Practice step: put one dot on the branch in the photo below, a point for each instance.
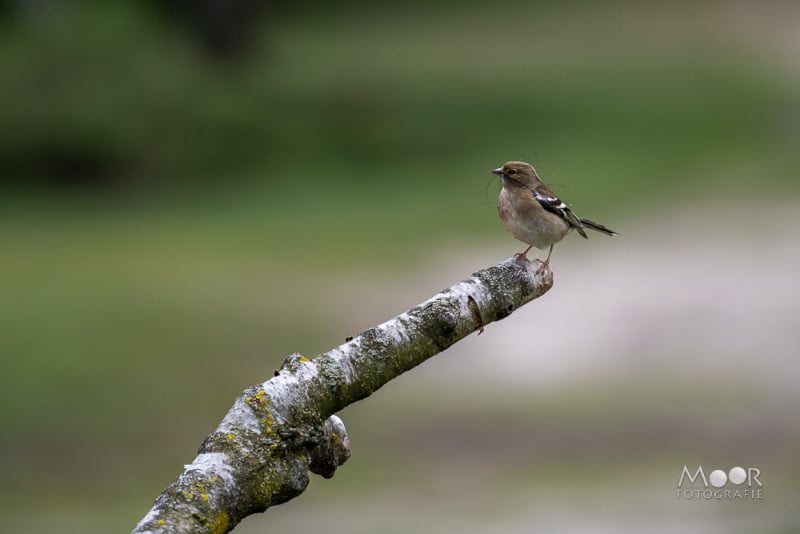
(278, 430)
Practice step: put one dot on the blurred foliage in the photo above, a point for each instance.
(109, 95)
(172, 213)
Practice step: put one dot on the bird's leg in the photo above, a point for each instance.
(524, 254)
(546, 263)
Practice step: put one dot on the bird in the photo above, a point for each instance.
(532, 213)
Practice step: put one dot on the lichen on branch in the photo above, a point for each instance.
(279, 430)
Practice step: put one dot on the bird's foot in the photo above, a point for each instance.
(523, 255)
(543, 266)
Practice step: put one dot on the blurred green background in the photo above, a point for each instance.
(193, 191)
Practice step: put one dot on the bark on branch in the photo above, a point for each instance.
(279, 430)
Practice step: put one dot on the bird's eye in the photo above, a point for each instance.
(511, 172)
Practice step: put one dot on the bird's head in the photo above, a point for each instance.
(518, 171)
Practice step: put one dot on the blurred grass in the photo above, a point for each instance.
(169, 225)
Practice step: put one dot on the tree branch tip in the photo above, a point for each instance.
(534, 267)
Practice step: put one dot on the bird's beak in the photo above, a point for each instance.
(498, 171)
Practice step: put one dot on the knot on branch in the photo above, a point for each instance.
(333, 451)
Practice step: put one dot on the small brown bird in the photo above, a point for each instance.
(534, 214)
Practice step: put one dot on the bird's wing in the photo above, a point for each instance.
(549, 201)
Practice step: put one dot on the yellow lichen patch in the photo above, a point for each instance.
(302, 358)
(230, 435)
(160, 521)
(219, 523)
(196, 488)
(257, 398)
(267, 487)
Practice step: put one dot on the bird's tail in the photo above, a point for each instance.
(588, 223)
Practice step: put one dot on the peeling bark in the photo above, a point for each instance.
(279, 430)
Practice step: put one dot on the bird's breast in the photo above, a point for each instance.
(526, 220)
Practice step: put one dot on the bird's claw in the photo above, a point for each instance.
(543, 266)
